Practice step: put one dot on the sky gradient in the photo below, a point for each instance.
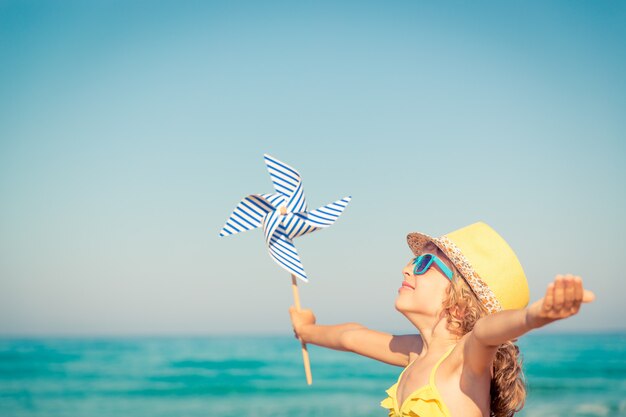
(130, 130)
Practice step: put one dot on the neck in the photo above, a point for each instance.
(434, 331)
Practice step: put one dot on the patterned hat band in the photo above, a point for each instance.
(478, 286)
(454, 254)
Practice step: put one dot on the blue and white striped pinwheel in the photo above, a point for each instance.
(283, 215)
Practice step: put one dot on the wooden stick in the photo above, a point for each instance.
(305, 352)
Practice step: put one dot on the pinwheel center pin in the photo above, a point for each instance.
(283, 210)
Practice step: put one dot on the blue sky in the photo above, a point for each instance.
(130, 130)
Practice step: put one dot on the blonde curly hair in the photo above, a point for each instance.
(462, 310)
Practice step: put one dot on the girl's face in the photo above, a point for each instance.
(423, 294)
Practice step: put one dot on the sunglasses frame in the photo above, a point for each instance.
(432, 259)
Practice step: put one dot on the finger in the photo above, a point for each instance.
(568, 292)
(578, 293)
(588, 296)
(548, 300)
(559, 293)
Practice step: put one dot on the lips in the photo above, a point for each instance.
(405, 284)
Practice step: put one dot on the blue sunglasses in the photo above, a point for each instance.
(423, 262)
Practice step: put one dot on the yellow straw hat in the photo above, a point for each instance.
(486, 262)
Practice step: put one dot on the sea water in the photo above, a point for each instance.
(567, 375)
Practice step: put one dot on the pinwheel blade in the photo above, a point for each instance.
(276, 199)
(295, 226)
(270, 224)
(248, 215)
(325, 215)
(287, 182)
(285, 254)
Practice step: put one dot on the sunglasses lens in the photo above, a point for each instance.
(422, 263)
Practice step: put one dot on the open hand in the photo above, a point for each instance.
(563, 299)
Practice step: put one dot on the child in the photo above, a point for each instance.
(466, 293)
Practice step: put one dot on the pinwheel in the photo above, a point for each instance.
(283, 216)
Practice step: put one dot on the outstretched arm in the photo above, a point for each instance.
(562, 299)
(354, 337)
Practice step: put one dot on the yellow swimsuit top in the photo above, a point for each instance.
(423, 402)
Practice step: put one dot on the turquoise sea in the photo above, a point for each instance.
(567, 374)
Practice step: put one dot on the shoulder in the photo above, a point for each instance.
(411, 344)
(385, 347)
(459, 356)
(475, 361)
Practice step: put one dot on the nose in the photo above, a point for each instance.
(407, 271)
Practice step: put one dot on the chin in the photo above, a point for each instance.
(409, 305)
(401, 305)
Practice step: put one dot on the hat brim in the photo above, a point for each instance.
(417, 242)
